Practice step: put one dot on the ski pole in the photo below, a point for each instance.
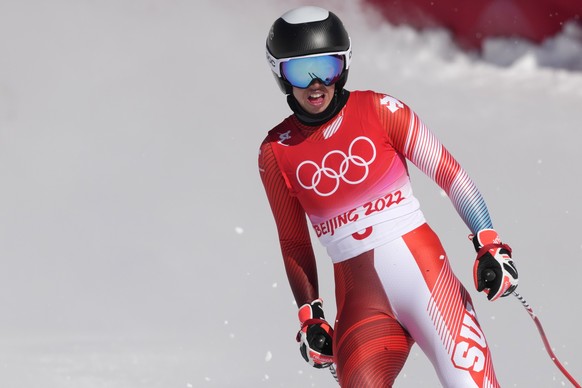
(489, 276)
(334, 373)
(545, 340)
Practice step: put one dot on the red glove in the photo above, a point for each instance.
(315, 336)
(494, 271)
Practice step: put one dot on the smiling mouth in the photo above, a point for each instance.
(315, 97)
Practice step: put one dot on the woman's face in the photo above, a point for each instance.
(315, 98)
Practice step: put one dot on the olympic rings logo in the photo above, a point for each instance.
(336, 175)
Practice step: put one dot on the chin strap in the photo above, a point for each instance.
(339, 101)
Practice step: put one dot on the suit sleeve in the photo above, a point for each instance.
(292, 228)
(418, 144)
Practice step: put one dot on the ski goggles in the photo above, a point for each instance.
(302, 71)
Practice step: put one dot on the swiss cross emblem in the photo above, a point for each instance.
(284, 136)
(391, 103)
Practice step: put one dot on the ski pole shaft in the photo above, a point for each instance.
(545, 340)
(334, 373)
(490, 276)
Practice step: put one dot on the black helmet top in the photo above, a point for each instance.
(307, 31)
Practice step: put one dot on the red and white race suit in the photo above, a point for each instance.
(394, 284)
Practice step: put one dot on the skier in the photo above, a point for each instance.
(341, 159)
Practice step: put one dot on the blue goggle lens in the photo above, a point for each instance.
(300, 72)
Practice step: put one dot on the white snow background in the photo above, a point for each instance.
(137, 248)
